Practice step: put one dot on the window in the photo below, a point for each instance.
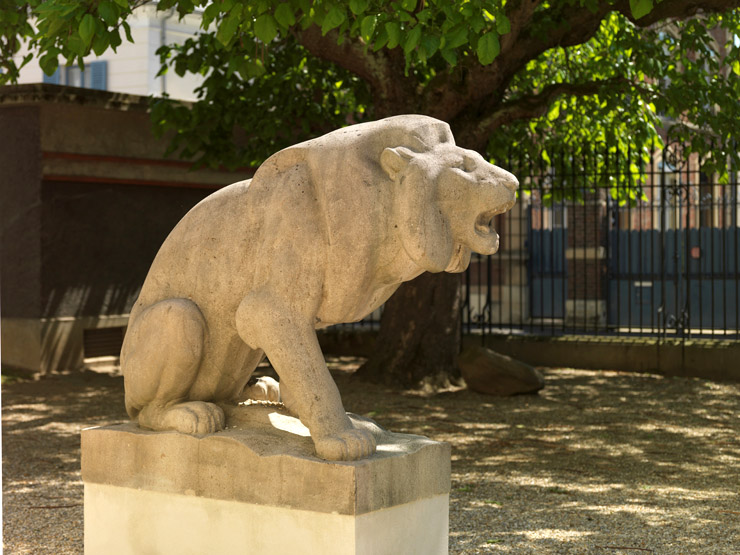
(95, 76)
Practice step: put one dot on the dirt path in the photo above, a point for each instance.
(597, 463)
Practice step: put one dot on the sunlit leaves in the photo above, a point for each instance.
(272, 103)
(63, 29)
(257, 77)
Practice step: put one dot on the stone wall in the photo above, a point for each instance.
(86, 199)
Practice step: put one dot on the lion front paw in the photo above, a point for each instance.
(349, 445)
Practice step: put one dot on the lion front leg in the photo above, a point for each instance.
(290, 342)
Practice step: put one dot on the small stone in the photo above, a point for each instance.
(486, 371)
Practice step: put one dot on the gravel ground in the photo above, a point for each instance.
(596, 463)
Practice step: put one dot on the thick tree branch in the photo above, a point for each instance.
(475, 134)
(382, 71)
(569, 25)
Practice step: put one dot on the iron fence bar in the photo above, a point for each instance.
(541, 264)
(609, 208)
(617, 225)
(522, 316)
(687, 255)
(628, 175)
(700, 253)
(584, 241)
(677, 257)
(664, 292)
(736, 254)
(725, 256)
(651, 179)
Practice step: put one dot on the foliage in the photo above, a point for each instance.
(277, 97)
(571, 75)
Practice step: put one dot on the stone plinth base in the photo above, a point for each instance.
(258, 488)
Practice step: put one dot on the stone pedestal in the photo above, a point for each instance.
(257, 488)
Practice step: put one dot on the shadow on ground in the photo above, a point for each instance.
(597, 462)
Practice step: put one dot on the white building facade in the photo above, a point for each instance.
(133, 68)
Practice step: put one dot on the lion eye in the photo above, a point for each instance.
(468, 164)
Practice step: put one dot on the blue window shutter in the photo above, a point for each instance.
(99, 75)
(53, 78)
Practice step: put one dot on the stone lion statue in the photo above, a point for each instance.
(324, 233)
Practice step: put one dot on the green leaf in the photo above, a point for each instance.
(109, 12)
(87, 29)
(456, 37)
(284, 15)
(488, 48)
(100, 44)
(358, 6)
(380, 40)
(115, 39)
(503, 25)
(209, 14)
(449, 56)
(127, 30)
(76, 45)
(640, 8)
(430, 44)
(394, 33)
(265, 28)
(49, 64)
(123, 4)
(412, 39)
(333, 19)
(230, 24)
(554, 111)
(368, 26)
(477, 23)
(250, 69)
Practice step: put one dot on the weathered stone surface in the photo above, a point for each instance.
(324, 233)
(266, 457)
(486, 371)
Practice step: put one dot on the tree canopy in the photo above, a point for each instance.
(510, 76)
(563, 74)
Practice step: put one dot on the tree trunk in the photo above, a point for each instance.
(419, 338)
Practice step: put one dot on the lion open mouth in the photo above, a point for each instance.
(484, 221)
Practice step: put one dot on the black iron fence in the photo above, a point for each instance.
(600, 245)
(653, 249)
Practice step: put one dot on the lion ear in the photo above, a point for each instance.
(394, 160)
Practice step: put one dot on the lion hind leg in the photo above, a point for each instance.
(160, 360)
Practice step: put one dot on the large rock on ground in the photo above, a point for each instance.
(486, 371)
